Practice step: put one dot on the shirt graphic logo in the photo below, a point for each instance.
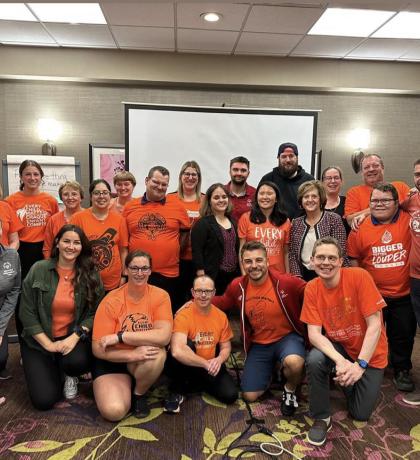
(152, 225)
(102, 249)
(8, 269)
(415, 222)
(32, 215)
(136, 322)
(386, 237)
(204, 339)
(7, 265)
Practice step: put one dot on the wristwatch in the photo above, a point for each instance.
(120, 336)
(80, 332)
(362, 363)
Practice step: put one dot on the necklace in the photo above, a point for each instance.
(337, 205)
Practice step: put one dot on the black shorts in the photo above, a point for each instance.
(103, 367)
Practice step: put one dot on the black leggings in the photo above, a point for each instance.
(44, 371)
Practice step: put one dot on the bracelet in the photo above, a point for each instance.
(120, 336)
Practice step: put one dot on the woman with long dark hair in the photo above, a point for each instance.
(267, 222)
(59, 299)
(214, 239)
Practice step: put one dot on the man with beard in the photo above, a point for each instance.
(412, 206)
(240, 192)
(288, 175)
(357, 197)
(270, 303)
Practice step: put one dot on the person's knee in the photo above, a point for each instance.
(359, 414)
(114, 410)
(294, 363)
(315, 360)
(229, 397)
(251, 396)
(44, 401)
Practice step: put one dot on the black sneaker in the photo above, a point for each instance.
(412, 398)
(4, 375)
(317, 434)
(140, 407)
(173, 403)
(403, 381)
(288, 403)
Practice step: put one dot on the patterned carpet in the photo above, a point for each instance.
(204, 429)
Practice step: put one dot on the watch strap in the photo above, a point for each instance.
(362, 363)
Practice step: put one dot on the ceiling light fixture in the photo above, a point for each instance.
(15, 12)
(402, 25)
(79, 13)
(211, 17)
(349, 22)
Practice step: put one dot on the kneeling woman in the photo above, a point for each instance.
(59, 299)
(132, 326)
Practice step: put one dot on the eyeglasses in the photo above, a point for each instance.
(188, 174)
(99, 193)
(331, 259)
(330, 179)
(206, 292)
(134, 269)
(385, 201)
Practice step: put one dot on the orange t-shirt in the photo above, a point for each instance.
(264, 314)
(192, 208)
(206, 330)
(412, 206)
(383, 250)
(53, 227)
(154, 227)
(117, 313)
(63, 306)
(358, 197)
(273, 238)
(9, 222)
(107, 237)
(34, 212)
(342, 310)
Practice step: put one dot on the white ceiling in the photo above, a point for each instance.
(270, 28)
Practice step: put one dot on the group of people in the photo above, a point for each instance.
(131, 288)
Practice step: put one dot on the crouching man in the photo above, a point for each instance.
(200, 346)
(342, 308)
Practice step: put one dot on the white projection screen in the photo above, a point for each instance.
(171, 135)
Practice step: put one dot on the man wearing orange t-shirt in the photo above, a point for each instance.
(200, 346)
(270, 304)
(342, 309)
(154, 223)
(381, 246)
(357, 198)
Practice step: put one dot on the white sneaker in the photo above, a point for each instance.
(70, 387)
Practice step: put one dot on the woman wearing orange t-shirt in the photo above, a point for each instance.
(190, 196)
(107, 232)
(59, 299)
(34, 208)
(71, 194)
(267, 222)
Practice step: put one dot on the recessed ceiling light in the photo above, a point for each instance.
(15, 12)
(403, 25)
(349, 22)
(211, 17)
(79, 13)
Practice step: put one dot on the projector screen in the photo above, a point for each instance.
(171, 135)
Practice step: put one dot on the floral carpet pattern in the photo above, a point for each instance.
(204, 429)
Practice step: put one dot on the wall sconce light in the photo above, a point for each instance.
(358, 139)
(49, 130)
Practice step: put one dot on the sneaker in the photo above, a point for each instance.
(412, 398)
(4, 375)
(70, 389)
(317, 434)
(288, 403)
(140, 407)
(173, 403)
(403, 381)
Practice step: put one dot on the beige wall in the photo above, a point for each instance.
(93, 113)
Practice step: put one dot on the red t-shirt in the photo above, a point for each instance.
(206, 330)
(383, 250)
(33, 212)
(243, 203)
(9, 222)
(342, 310)
(117, 313)
(412, 206)
(358, 197)
(265, 315)
(107, 236)
(273, 238)
(154, 227)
